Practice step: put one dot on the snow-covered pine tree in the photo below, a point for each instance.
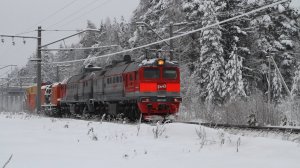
(234, 42)
(48, 70)
(275, 32)
(158, 14)
(296, 84)
(89, 38)
(124, 33)
(276, 88)
(210, 67)
(234, 77)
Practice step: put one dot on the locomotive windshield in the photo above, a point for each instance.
(151, 73)
(170, 74)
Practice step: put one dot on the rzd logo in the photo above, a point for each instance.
(161, 86)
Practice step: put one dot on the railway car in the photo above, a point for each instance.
(126, 88)
(30, 98)
(50, 98)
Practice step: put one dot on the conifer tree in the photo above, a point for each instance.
(210, 67)
(296, 84)
(234, 77)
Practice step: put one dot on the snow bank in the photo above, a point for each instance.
(47, 142)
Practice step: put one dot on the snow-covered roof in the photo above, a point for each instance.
(64, 81)
(148, 62)
(56, 84)
(154, 60)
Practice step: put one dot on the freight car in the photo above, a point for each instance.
(126, 88)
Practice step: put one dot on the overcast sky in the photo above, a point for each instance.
(17, 16)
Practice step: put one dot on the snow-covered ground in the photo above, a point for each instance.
(37, 142)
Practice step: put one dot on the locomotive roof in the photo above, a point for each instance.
(120, 67)
(153, 62)
(117, 69)
(76, 78)
(132, 67)
(88, 76)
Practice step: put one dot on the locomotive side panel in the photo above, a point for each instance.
(98, 86)
(87, 87)
(56, 95)
(81, 84)
(72, 89)
(114, 87)
(131, 81)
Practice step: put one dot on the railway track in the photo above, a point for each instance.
(246, 127)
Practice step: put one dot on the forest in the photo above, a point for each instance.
(227, 71)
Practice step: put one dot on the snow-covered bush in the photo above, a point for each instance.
(201, 133)
(159, 129)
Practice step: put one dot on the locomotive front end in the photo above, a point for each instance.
(159, 89)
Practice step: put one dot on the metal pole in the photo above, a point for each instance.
(281, 78)
(171, 41)
(1, 100)
(39, 74)
(269, 86)
(235, 76)
(57, 73)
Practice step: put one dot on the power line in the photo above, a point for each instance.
(83, 48)
(51, 15)
(58, 30)
(181, 35)
(104, 3)
(26, 32)
(72, 14)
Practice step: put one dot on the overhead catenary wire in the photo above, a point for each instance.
(181, 35)
(48, 17)
(25, 32)
(61, 30)
(87, 12)
(83, 48)
(72, 14)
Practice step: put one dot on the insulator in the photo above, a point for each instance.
(2, 40)
(13, 43)
(24, 42)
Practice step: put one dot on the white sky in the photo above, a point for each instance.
(18, 16)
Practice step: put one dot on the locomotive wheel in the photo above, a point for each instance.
(134, 113)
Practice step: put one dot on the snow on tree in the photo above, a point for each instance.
(89, 38)
(90, 60)
(296, 84)
(276, 86)
(234, 77)
(48, 69)
(209, 72)
(275, 32)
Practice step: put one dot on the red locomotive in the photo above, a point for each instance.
(126, 89)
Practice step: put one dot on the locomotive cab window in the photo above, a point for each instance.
(151, 73)
(170, 74)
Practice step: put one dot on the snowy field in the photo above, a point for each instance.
(38, 142)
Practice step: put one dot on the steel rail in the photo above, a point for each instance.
(246, 127)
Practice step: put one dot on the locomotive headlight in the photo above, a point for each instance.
(160, 62)
(177, 99)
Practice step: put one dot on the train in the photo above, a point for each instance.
(147, 89)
